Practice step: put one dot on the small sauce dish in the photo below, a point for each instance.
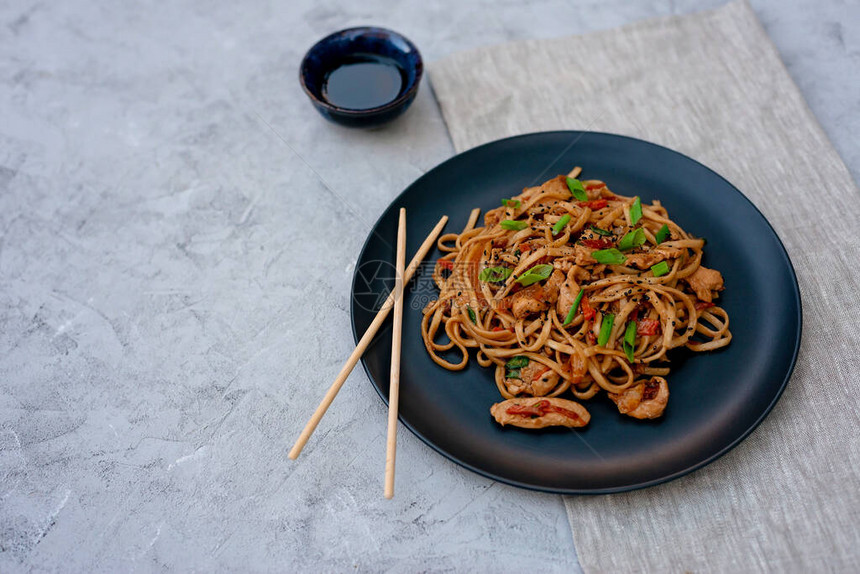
(361, 77)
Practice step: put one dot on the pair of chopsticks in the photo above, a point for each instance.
(395, 301)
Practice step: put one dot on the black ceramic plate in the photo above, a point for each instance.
(716, 399)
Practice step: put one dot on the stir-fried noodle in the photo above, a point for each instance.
(569, 290)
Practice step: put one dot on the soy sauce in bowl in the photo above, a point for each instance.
(364, 81)
(362, 77)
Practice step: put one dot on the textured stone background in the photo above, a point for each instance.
(174, 280)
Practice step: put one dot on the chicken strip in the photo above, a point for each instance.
(706, 282)
(647, 400)
(567, 293)
(535, 379)
(536, 298)
(536, 413)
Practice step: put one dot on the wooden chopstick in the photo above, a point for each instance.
(396, 338)
(364, 342)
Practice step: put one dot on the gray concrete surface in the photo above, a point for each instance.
(174, 285)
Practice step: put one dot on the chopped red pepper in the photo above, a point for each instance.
(563, 411)
(541, 408)
(648, 327)
(598, 243)
(535, 410)
(703, 305)
(594, 204)
(446, 264)
(588, 312)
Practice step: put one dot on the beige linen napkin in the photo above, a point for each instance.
(712, 86)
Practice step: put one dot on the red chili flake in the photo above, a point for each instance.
(565, 412)
(594, 204)
(590, 186)
(592, 340)
(535, 410)
(598, 243)
(540, 373)
(446, 264)
(541, 408)
(588, 312)
(704, 305)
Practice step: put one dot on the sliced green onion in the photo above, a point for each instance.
(630, 333)
(605, 329)
(471, 315)
(576, 189)
(630, 340)
(573, 308)
(515, 203)
(494, 274)
(599, 231)
(513, 225)
(609, 256)
(559, 225)
(662, 234)
(517, 362)
(628, 350)
(535, 274)
(513, 366)
(636, 211)
(660, 269)
(632, 239)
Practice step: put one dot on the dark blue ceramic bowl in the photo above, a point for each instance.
(333, 51)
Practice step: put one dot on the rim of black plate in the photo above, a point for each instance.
(616, 489)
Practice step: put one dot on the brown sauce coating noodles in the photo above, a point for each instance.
(569, 290)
